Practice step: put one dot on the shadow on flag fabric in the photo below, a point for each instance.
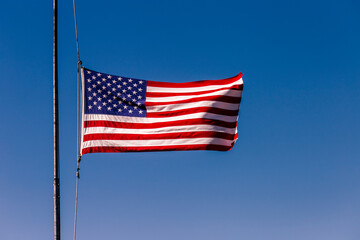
(121, 114)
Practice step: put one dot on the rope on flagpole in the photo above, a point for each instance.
(76, 195)
(78, 149)
(79, 65)
(76, 33)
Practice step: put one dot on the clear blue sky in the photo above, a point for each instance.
(294, 173)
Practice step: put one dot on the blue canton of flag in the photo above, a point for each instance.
(114, 95)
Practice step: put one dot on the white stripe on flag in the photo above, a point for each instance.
(227, 92)
(160, 130)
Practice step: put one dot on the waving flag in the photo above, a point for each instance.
(121, 114)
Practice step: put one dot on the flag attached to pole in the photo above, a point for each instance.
(121, 114)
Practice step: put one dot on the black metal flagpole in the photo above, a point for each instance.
(56, 128)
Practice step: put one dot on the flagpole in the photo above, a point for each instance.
(56, 127)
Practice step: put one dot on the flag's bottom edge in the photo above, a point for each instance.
(156, 148)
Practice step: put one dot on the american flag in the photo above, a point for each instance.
(121, 114)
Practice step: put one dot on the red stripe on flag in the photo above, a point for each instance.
(199, 121)
(112, 136)
(226, 99)
(192, 110)
(171, 94)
